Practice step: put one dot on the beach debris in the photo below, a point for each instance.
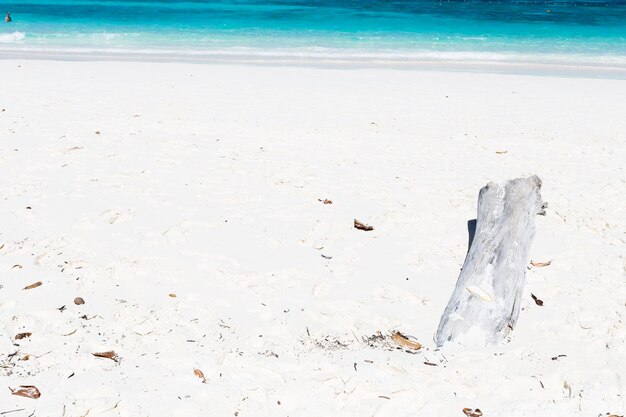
(25, 358)
(107, 355)
(376, 340)
(472, 413)
(325, 201)
(326, 257)
(61, 309)
(567, 387)
(501, 152)
(430, 364)
(537, 301)
(199, 374)
(330, 343)
(384, 397)
(79, 301)
(540, 264)
(31, 286)
(362, 226)
(172, 295)
(23, 335)
(97, 132)
(554, 358)
(28, 391)
(18, 266)
(404, 341)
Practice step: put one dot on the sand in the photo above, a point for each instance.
(181, 202)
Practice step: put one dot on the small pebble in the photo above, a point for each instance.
(79, 301)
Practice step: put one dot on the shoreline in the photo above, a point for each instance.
(348, 61)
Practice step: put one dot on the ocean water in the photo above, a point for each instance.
(591, 32)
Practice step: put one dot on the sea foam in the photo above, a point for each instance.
(12, 37)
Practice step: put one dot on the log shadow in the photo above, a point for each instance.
(471, 231)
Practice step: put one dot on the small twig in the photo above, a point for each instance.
(12, 411)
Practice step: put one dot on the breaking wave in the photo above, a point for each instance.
(12, 37)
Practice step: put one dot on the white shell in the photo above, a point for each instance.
(482, 294)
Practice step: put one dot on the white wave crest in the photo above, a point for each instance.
(12, 37)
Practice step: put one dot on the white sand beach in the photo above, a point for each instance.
(181, 202)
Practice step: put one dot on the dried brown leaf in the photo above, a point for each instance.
(404, 341)
(28, 391)
(537, 301)
(362, 226)
(199, 374)
(79, 301)
(31, 286)
(472, 413)
(107, 355)
(172, 295)
(540, 264)
(325, 201)
(23, 335)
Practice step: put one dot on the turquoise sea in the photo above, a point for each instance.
(589, 32)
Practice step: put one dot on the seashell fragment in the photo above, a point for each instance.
(479, 292)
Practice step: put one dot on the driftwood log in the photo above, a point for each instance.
(485, 303)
